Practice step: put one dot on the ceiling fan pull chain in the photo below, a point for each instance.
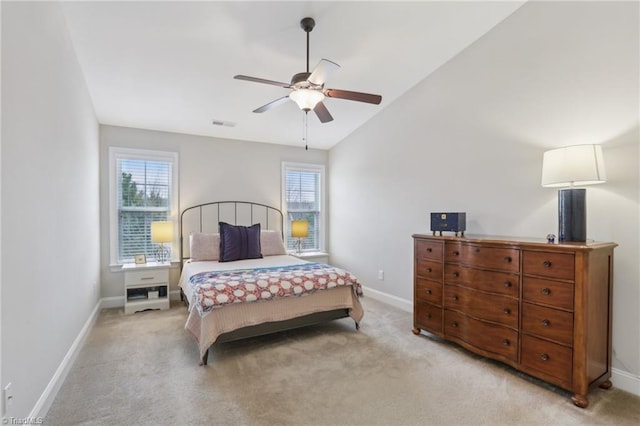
(305, 132)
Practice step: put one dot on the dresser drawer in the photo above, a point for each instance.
(503, 259)
(427, 249)
(547, 357)
(452, 251)
(429, 291)
(489, 307)
(146, 277)
(547, 322)
(485, 336)
(429, 269)
(546, 292)
(492, 281)
(545, 264)
(428, 317)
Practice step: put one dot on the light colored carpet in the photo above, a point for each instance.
(143, 369)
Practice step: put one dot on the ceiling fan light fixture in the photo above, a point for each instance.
(307, 99)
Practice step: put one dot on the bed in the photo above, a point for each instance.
(236, 293)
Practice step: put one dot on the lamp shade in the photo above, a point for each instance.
(162, 232)
(573, 166)
(299, 228)
(306, 99)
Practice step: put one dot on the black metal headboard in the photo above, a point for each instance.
(205, 218)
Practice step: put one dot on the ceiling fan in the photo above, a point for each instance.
(308, 87)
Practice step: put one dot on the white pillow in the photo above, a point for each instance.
(204, 246)
(271, 243)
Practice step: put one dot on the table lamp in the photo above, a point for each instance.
(162, 232)
(299, 229)
(572, 166)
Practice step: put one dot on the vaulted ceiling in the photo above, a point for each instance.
(169, 66)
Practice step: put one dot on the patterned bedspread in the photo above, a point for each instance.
(215, 289)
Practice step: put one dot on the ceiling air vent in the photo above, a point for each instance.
(223, 123)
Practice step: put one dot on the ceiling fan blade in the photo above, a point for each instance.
(262, 80)
(353, 96)
(272, 104)
(322, 72)
(322, 112)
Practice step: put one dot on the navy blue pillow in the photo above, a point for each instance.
(239, 242)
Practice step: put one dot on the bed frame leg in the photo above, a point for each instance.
(357, 326)
(205, 358)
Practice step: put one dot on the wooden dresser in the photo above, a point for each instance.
(544, 309)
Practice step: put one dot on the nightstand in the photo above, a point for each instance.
(145, 287)
(312, 256)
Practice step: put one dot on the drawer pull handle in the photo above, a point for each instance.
(545, 322)
(454, 324)
(545, 291)
(456, 253)
(507, 284)
(456, 275)
(429, 250)
(146, 278)
(546, 264)
(454, 297)
(427, 291)
(508, 259)
(428, 270)
(507, 311)
(544, 357)
(506, 342)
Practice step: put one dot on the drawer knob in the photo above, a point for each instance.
(507, 284)
(427, 291)
(454, 324)
(456, 253)
(544, 357)
(506, 342)
(545, 322)
(428, 316)
(454, 297)
(508, 259)
(429, 270)
(429, 250)
(545, 291)
(546, 264)
(477, 250)
(507, 311)
(456, 275)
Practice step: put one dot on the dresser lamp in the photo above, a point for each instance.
(573, 166)
(299, 230)
(162, 232)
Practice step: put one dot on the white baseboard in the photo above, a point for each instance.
(405, 305)
(625, 381)
(49, 394)
(112, 302)
(621, 379)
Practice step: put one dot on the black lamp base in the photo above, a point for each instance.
(572, 215)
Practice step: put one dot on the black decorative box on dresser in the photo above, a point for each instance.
(544, 309)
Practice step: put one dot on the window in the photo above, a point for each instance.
(303, 199)
(143, 189)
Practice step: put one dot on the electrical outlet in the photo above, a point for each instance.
(380, 274)
(7, 398)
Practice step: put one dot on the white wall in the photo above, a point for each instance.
(211, 169)
(470, 137)
(50, 214)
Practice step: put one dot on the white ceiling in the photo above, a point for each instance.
(169, 66)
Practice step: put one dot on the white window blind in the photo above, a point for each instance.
(303, 201)
(144, 193)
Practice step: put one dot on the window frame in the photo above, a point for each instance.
(117, 153)
(308, 167)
